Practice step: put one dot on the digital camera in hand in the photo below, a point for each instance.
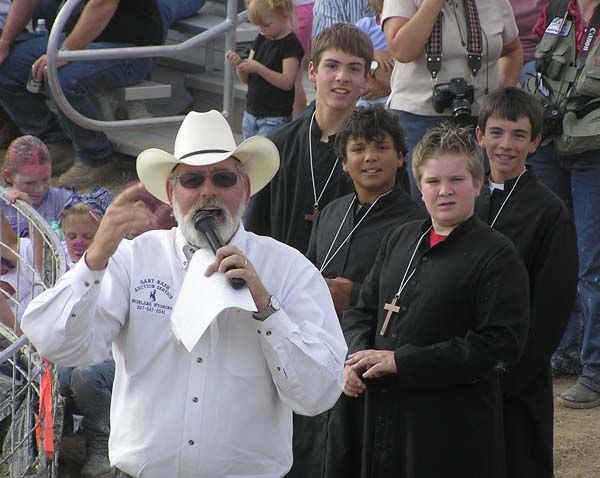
(458, 94)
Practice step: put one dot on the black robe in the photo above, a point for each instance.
(464, 311)
(542, 230)
(278, 210)
(330, 444)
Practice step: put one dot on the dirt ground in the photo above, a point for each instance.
(577, 438)
(576, 443)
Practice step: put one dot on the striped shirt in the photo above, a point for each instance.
(328, 12)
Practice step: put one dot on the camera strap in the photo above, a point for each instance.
(474, 41)
(592, 30)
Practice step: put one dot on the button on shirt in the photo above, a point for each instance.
(226, 408)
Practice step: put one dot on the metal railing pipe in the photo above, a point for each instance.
(54, 55)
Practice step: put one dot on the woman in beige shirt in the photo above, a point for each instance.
(408, 25)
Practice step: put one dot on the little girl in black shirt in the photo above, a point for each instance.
(271, 68)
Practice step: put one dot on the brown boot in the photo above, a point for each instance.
(96, 458)
(83, 177)
(62, 155)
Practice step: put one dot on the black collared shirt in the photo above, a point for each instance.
(278, 210)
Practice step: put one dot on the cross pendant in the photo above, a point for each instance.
(392, 308)
(312, 217)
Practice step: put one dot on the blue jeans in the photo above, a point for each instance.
(576, 179)
(252, 126)
(174, 10)
(415, 126)
(80, 81)
(88, 390)
(527, 71)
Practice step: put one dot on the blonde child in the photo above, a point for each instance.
(271, 68)
(79, 221)
(87, 390)
(26, 171)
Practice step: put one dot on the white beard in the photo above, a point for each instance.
(225, 231)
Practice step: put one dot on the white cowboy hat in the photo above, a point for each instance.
(206, 138)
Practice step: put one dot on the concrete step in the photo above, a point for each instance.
(147, 90)
(210, 55)
(132, 141)
(245, 32)
(212, 82)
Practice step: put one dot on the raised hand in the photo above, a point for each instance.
(126, 217)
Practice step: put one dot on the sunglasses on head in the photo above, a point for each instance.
(195, 179)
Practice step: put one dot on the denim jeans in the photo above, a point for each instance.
(174, 10)
(80, 81)
(576, 179)
(527, 71)
(88, 391)
(415, 126)
(252, 126)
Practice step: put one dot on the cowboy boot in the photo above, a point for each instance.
(96, 463)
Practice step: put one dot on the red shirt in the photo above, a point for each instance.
(435, 238)
(581, 28)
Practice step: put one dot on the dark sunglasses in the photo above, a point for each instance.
(221, 179)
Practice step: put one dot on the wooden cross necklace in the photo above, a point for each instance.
(391, 307)
(312, 217)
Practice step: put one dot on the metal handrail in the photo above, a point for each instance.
(228, 26)
(13, 348)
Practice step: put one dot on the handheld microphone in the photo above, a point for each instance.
(204, 223)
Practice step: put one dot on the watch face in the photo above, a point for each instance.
(275, 305)
(374, 66)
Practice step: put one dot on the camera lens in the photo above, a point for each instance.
(461, 111)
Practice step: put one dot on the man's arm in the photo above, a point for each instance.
(510, 63)
(75, 322)
(19, 15)
(92, 22)
(379, 83)
(407, 37)
(302, 341)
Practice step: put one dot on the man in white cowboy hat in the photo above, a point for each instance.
(224, 408)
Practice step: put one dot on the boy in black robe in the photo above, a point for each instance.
(537, 222)
(343, 245)
(310, 175)
(446, 301)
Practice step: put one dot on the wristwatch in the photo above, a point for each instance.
(374, 66)
(272, 307)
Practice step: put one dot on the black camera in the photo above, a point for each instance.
(552, 124)
(459, 95)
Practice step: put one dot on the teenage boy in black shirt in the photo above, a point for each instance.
(447, 300)
(310, 175)
(537, 222)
